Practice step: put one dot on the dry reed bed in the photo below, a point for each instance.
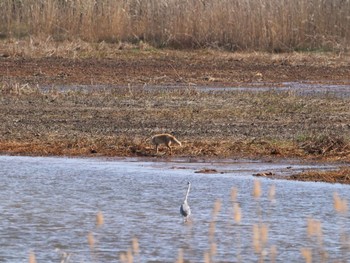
(269, 25)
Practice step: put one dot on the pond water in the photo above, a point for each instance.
(300, 88)
(48, 206)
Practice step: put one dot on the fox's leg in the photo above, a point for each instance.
(169, 147)
(156, 148)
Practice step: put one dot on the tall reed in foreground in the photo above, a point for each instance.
(270, 25)
(32, 258)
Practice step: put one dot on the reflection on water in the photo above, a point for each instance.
(49, 205)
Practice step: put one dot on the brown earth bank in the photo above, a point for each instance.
(119, 121)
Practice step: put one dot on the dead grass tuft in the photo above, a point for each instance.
(325, 145)
(337, 176)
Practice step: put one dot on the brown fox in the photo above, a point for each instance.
(166, 139)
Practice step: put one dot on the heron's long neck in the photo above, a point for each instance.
(188, 191)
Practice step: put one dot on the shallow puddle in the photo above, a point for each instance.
(299, 88)
(49, 206)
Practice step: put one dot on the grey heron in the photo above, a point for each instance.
(185, 209)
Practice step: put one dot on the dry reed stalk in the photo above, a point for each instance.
(257, 189)
(122, 257)
(135, 246)
(314, 229)
(256, 239)
(180, 256)
(99, 219)
(129, 256)
(272, 193)
(216, 209)
(237, 214)
(260, 237)
(131, 253)
(340, 205)
(264, 233)
(32, 258)
(273, 253)
(207, 257)
(212, 226)
(307, 254)
(213, 249)
(234, 193)
(126, 257)
(91, 240)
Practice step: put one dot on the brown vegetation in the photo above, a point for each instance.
(269, 25)
(335, 176)
(326, 144)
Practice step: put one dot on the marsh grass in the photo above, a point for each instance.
(269, 25)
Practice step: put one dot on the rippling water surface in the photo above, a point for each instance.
(49, 205)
